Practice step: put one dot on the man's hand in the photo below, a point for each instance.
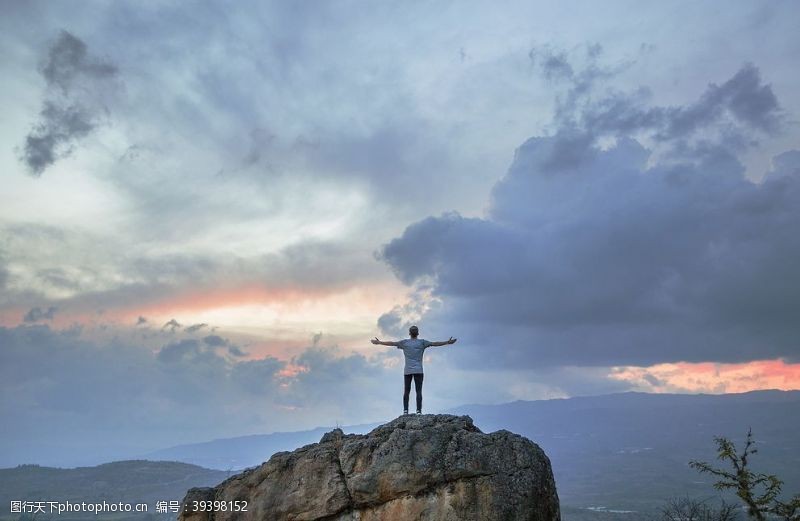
(444, 342)
(375, 341)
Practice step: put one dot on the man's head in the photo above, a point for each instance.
(413, 331)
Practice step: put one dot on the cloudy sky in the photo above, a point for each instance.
(208, 209)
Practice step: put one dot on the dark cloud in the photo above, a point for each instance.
(215, 341)
(195, 327)
(339, 380)
(553, 63)
(179, 351)
(172, 324)
(73, 105)
(52, 137)
(391, 323)
(36, 314)
(611, 261)
(743, 96)
(257, 376)
(150, 399)
(68, 62)
(653, 380)
(786, 165)
(3, 273)
(146, 399)
(743, 101)
(735, 113)
(235, 351)
(396, 322)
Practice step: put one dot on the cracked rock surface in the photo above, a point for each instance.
(414, 467)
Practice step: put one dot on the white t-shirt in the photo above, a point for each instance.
(413, 349)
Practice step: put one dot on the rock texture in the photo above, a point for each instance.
(414, 467)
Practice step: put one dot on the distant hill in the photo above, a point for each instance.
(629, 451)
(128, 481)
(244, 451)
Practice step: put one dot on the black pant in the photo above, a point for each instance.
(417, 388)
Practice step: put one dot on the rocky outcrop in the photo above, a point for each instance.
(414, 467)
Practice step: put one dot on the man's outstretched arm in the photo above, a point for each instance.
(446, 342)
(376, 342)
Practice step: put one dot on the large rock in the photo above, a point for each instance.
(414, 467)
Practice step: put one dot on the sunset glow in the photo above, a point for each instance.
(712, 377)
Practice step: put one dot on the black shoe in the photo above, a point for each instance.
(405, 412)
(419, 412)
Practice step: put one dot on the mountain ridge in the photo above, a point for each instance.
(172, 453)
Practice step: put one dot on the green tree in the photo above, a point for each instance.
(759, 492)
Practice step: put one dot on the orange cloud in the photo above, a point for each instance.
(10, 317)
(292, 370)
(190, 305)
(709, 377)
(261, 321)
(187, 302)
